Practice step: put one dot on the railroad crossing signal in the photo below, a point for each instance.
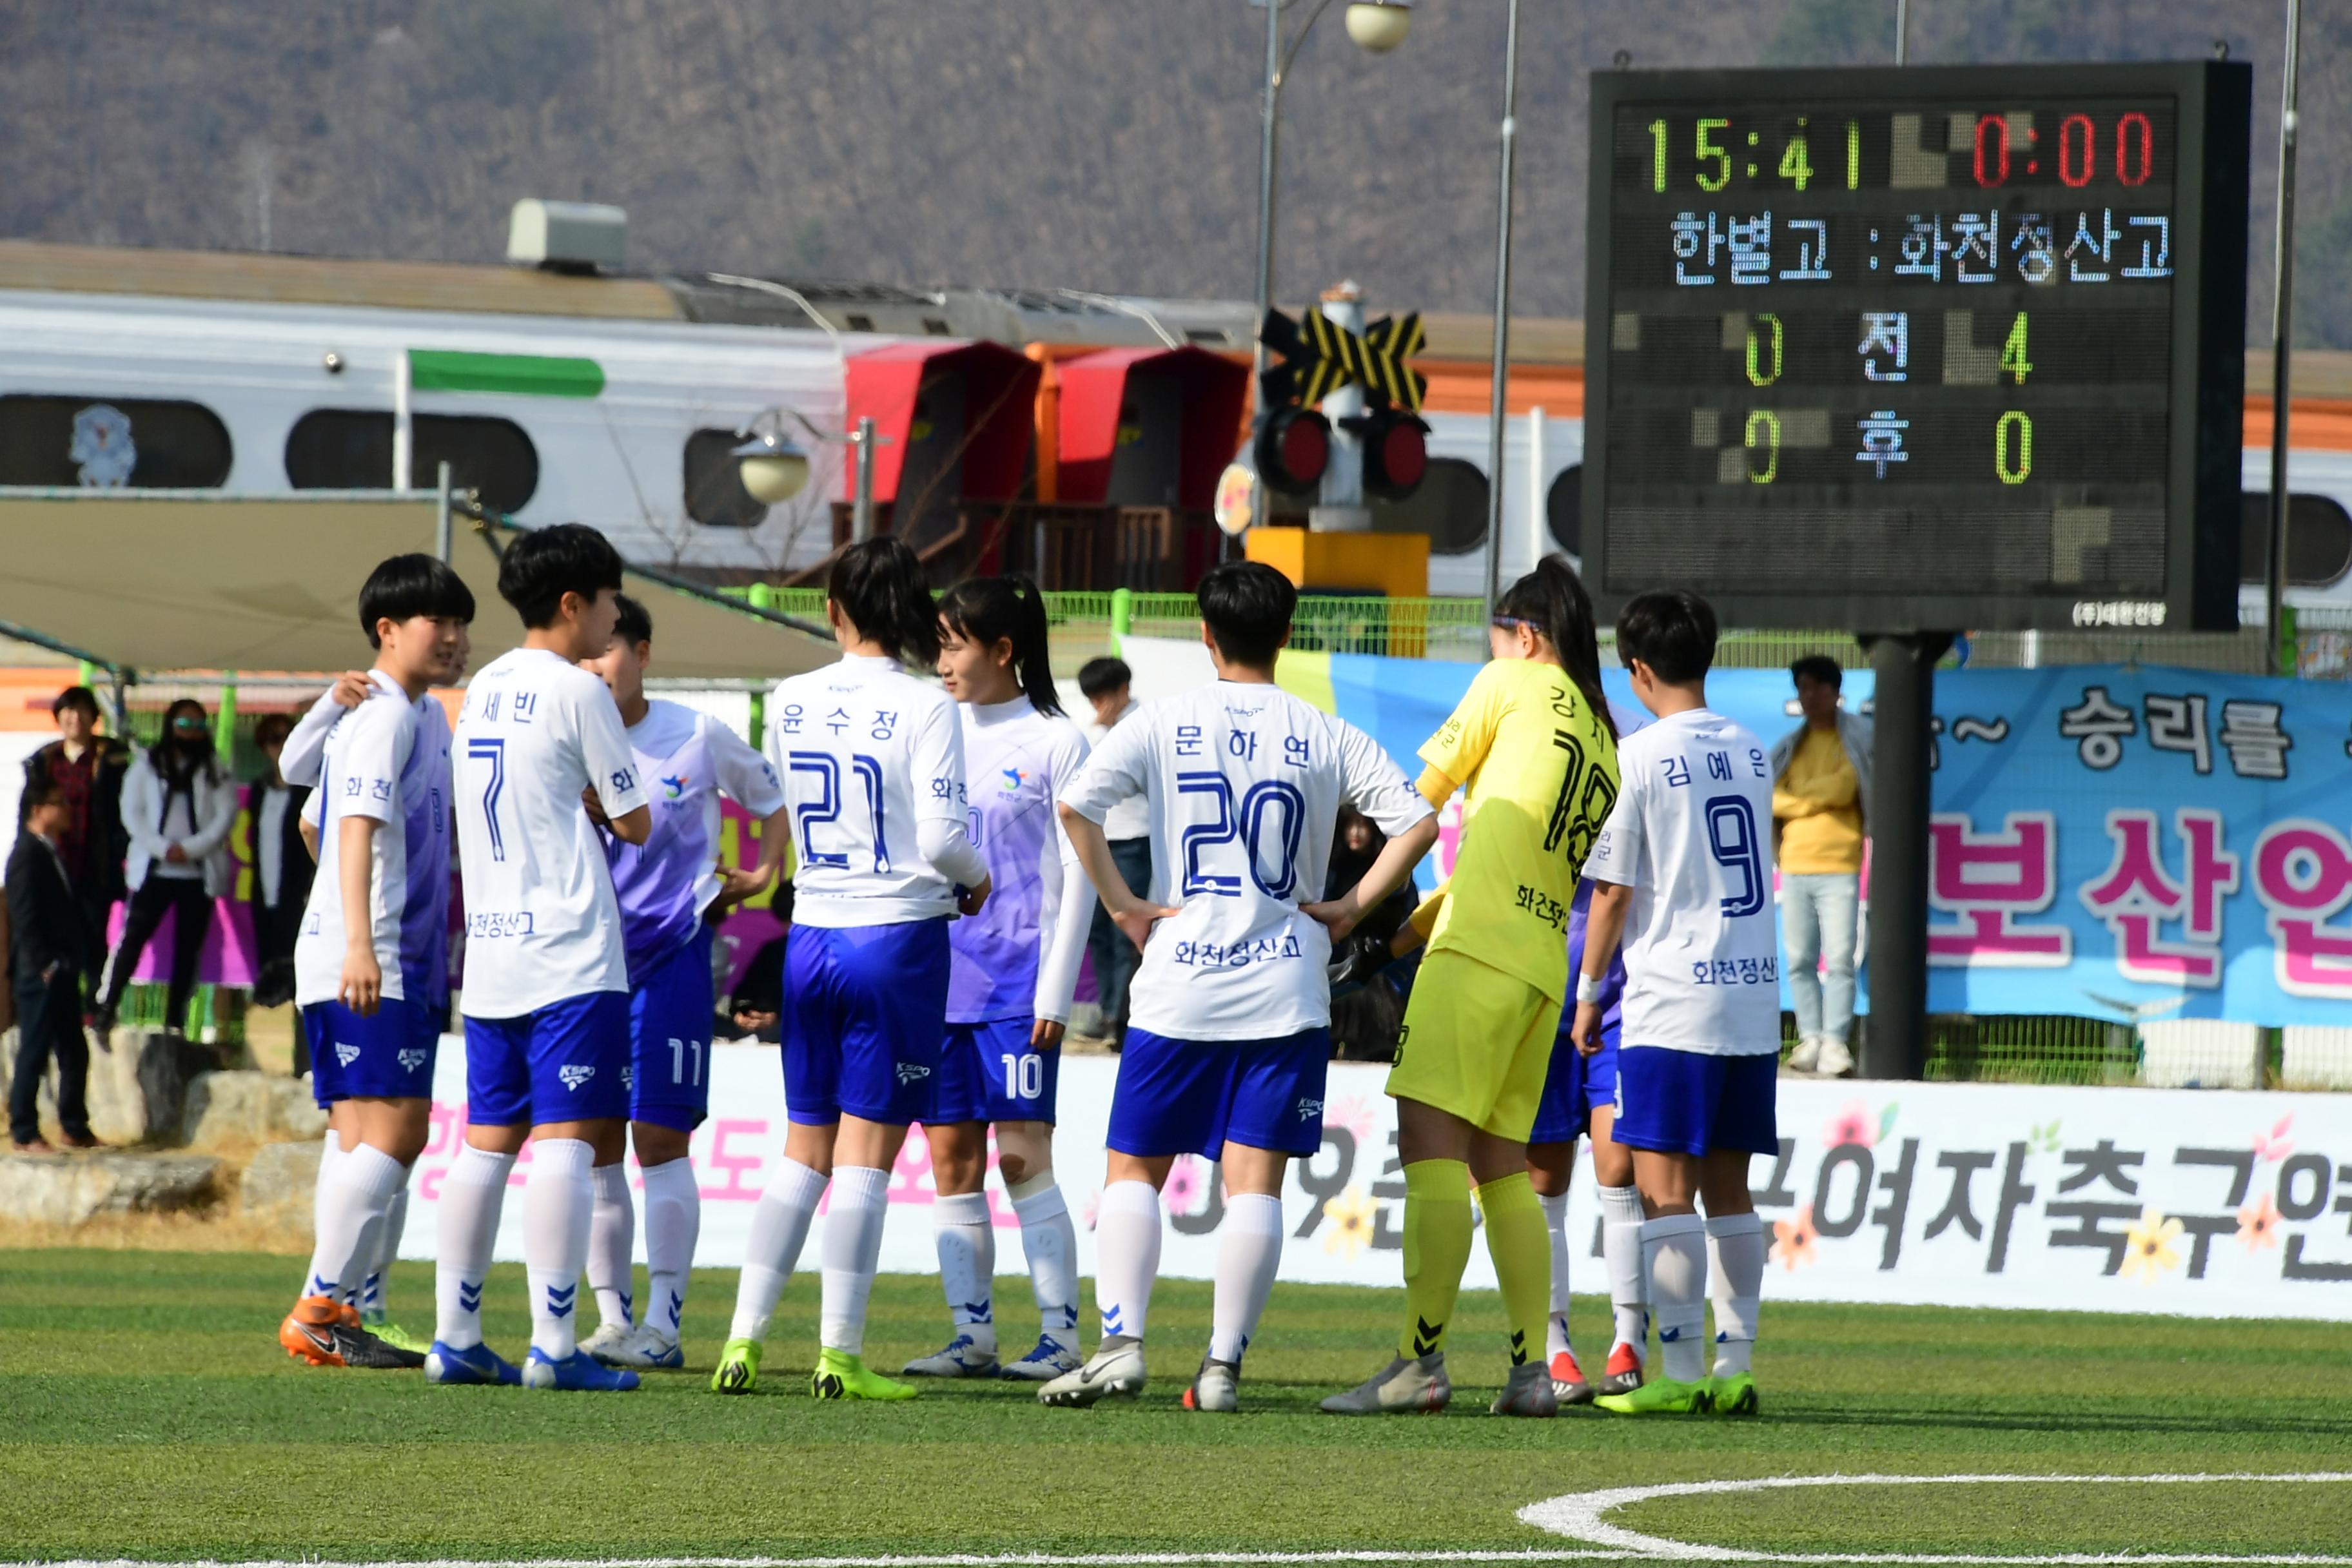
(1320, 356)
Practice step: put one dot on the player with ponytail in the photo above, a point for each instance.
(1015, 968)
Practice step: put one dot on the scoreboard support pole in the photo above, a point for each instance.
(1894, 1042)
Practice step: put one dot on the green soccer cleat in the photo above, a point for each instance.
(1733, 1395)
(1662, 1397)
(396, 1336)
(739, 1368)
(840, 1376)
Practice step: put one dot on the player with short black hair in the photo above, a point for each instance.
(542, 566)
(408, 585)
(1671, 630)
(1104, 677)
(1247, 608)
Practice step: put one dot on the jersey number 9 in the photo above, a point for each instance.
(1731, 835)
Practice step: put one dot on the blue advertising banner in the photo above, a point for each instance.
(2109, 841)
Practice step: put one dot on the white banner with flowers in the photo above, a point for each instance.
(2205, 1203)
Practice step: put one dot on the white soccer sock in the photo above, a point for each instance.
(1674, 1255)
(472, 1194)
(852, 1245)
(1621, 1254)
(779, 1228)
(612, 1236)
(330, 1154)
(1127, 1256)
(354, 1198)
(1249, 1252)
(383, 1246)
(673, 1223)
(1735, 1267)
(966, 1235)
(1555, 1213)
(1050, 1242)
(558, 1205)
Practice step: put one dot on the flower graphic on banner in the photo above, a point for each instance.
(1355, 1114)
(2258, 1223)
(2147, 1246)
(1351, 1215)
(1187, 1190)
(1793, 1240)
(2277, 1146)
(1854, 1124)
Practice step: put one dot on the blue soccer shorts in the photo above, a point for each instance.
(569, 1061)
(864, 1013)
(1193, 1097)
(990, 1072)
(1575, 1084)
(670, 1004)
(1683, 1102)
(387, 1056)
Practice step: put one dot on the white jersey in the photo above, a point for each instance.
(1691, 835)
(1018, 958)
(1245, 783)
(867, 754)
(387, 760)
(541, 925)
(686, 760)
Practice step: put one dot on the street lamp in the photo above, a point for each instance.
(1377, 27)
(775, 469)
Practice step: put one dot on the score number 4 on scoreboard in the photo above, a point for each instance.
(1920, 349)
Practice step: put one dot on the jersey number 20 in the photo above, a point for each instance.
(1247, 822)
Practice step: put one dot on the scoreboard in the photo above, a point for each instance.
(1919, 349)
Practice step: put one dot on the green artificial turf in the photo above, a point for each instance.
(146, 1411)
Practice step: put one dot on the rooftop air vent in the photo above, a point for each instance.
(567, 236)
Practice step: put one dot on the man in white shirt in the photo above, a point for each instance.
(1682, 875)
(546, 994)
(1230, 1034)
(1107, 684)
(371, 959)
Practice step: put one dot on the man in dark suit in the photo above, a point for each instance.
(50, 949)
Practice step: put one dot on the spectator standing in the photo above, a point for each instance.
(1821, 810)
(49, 948)
(87, 769)
(1106, 684)
(178, 805)
(282, 868)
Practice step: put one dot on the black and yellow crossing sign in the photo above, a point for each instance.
(1319, 356)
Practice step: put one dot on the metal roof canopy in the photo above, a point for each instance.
(158, 580)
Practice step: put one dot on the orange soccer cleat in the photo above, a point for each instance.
(309, 1331)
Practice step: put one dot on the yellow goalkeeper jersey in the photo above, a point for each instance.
(1539, 772)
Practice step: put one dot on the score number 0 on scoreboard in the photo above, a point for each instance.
(1898, 349)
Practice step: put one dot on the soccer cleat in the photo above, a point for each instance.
(309, 1331)
(842, 1377)
(1662, 1397)
(642, 1346)
(477, 1363)
(739, 1368)
(1527, 1391)
(396, 1336)
(578, 1373)
(1807, 1054)
(1624, 1373)
(1115, 1369)
(1402, 1388)
(363, 1350)
(1217, 1388)
(1733, 1395)
(1567, 1384)
(961, 1358)
(1049, 1361)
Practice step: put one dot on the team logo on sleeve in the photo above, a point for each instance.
(573, 1075)
(412, 1058)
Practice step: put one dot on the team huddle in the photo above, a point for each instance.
(1600, 964)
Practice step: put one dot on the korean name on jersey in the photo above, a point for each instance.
(867, 754)
(387, 759)
(542, 924)
(1691, 835)
(686, 760)
(1243, 783)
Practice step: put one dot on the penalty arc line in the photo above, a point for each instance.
(1579, 1515)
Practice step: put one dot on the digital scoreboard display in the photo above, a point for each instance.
(1920, 348)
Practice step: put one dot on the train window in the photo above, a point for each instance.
(1564, 509)
(715, 495)
(1450, 507)
(105, 443)
(2318, 539)
(350, 449)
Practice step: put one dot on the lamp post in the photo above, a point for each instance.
(775, 469)
(1498, 407)
(1377, 27)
